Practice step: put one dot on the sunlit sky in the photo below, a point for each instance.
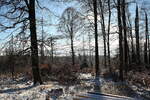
(52, 18)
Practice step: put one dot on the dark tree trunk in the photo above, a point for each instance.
(108, 45)
(145, 53)
(96, 40)
(125, 36)
(34, 47)
(72, 50)
(52, 50)
(137, 36)
(120, 41)
(146, 38)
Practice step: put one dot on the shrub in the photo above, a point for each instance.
(64, 74)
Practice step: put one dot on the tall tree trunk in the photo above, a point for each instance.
(120, 40)
(34, 47)
(96, 39)
(108, 45)
(103, 30)
(137, 36)
(125, 36)
(146, 38)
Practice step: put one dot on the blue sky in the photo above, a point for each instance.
(57, 8)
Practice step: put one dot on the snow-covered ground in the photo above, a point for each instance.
(22, 89)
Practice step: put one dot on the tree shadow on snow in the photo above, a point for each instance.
(17, 89)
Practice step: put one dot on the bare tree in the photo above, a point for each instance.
(51, 41)
(101, 11)
(34, 47)
(20, 12)
(70, 24)
(131, 37)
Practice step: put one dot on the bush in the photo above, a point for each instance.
(64, 74)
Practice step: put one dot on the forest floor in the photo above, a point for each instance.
(23, 89)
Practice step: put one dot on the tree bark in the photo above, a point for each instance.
(146, 38)
(108, 45)
(34, 47)
(72, 47)
(103, 30)
(145, 53)
(137, 36)
(120, 41)
(125, 36)
(96, 40)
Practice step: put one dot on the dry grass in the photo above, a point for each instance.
(117, 89)
(139, 78)
(64, 73)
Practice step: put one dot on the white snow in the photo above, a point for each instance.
(22, 89)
